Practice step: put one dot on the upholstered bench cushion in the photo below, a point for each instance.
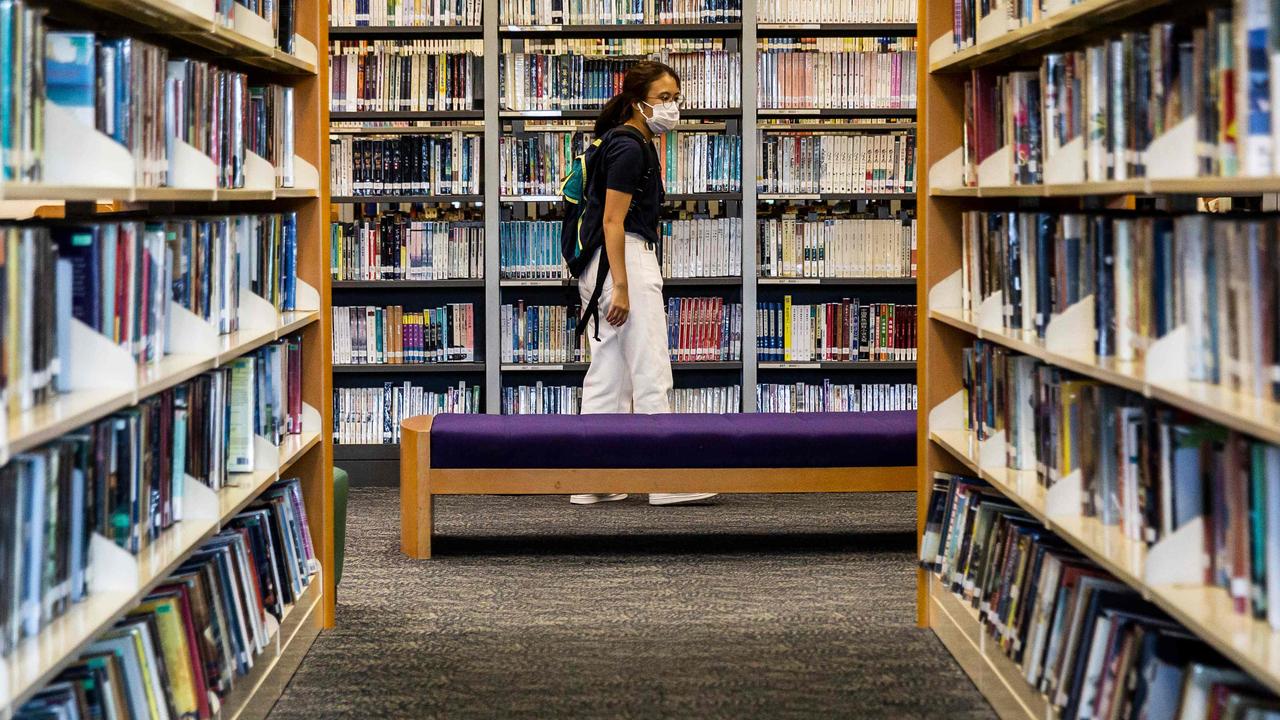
(755, 440)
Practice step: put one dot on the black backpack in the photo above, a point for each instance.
(582, 232)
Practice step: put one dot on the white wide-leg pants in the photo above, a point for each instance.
(630, 365)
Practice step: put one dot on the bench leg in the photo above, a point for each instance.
(417, 504)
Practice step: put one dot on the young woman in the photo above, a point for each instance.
(630, 365)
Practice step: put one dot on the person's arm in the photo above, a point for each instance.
(616, 205)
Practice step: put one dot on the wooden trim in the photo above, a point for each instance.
(561, 481)
(416, 522)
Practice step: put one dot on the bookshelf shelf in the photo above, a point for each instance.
(836, 29)
(1205, 610)
(903, 281)
(1073, 21)
(375, 368)
(1206, 186)
(582, 366)
(704, 197)
(405, 115)
(685, 113)
(69, 411)
(537, 282)
(837, 112)
(666, 282)
(633, 30)
(840, 127)
(405, 284)
(44, 655)
(451, 32)
(375, 199)
(829, 366)
(824, 197)
(1254, 416)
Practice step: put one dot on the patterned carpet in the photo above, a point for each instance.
(759, 606)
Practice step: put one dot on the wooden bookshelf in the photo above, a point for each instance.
(1205, 610)
(307, 456)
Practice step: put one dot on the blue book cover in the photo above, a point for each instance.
(9, 162)
(70, 73)
(79, 253)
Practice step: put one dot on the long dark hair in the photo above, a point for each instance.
(635, 88)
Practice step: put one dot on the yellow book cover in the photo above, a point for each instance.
(786, 328)
(177, 655)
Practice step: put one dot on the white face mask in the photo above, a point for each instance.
(665, 117)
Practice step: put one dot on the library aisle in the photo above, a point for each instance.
(535, 609)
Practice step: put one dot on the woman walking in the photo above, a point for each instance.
(630, 362)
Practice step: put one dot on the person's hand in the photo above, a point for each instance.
(619, 307)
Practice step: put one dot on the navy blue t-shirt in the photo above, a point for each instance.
(624, 168)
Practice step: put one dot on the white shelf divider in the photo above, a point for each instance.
(83, 156)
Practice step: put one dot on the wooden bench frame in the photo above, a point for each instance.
(420, 483)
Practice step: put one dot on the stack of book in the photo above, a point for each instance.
(405, 164)
(393, 76)
(618, 12)
(1086, 640)
(831, 397)
(847, 331)
(704, 329)
(401, 246)
(533, 334)
(701, 247)
(699, 162)
(271, 129)
(836, 11)
(848, 72)
(190, 640)
(405, 13)
(372, 415)
(826, 246)
(808, 162)
(368, 335)
(534, 163)
(530, 250)
(539, 399)
(573, 74)
(708, 400)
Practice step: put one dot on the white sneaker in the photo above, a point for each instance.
(678, 498)
(593, 498)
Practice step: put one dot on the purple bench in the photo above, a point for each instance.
(563, 454)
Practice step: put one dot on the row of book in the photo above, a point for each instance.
(541, 334)
(692, 162)
(404, 75)
(707, 400)
(836, 11)
(440, 163)
(280, 14)
(837, 246)
(372, 415)
(530, 250)
(845, 331)
(192, 639)
(803, 162)
(833, 397)
(141, 97)
(1012, 14)
(618, 12)
(701, 247)
(1146, 469)
(704, 329)
(540, 399)
(852, 72)
(1148, 276)
(121, 278)
(1209, 80)
(577, 74)
(392, 335)
(399, 246)
(405, 13)
(699, 162)
(123, 478)
(1090, 644)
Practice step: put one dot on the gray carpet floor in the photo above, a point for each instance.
(755, 607)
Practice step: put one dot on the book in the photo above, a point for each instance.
(370, 335)
(836, 73)
(830, 244)
(619, 12)
(822, 162)
(406, 246)
(704, 329)
(405, 13)
(846, 331)
(717, 400)
(835, 11)
(533, 334)
(541, 399)
(446, 163)
(392, 75)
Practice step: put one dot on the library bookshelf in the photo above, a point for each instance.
(946, 329)
(188, 29)
(372, 462)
